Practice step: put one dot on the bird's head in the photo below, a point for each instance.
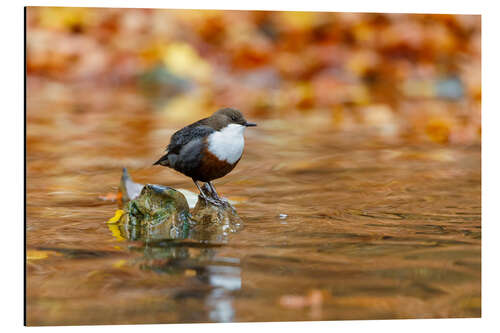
(228, 116)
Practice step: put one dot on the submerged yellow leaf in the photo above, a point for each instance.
(116, 218)
(115, 231)
(36, 255)
(113, 227)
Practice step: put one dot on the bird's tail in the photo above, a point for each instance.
(163, 161)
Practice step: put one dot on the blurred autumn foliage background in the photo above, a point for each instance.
(411, 76)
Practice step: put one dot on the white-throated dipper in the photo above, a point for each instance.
(208, 149)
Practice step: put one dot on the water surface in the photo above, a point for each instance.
(337, 224)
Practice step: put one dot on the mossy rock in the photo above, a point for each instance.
(207, 214)
(152, 212)
(157, 203)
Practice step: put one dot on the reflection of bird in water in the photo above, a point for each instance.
(208, 149)
(212, 278)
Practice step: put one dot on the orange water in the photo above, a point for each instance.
(373, 226)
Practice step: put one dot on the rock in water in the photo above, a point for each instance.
(206, 213)
(153, 212)
(158, 212)
(157, 203)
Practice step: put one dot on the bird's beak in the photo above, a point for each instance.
(250, 124)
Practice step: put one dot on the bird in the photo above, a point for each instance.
(208, 149)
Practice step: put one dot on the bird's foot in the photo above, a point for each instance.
(210, 199)
(215, 202)
(211, 196)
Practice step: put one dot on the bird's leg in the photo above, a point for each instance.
(199, 189)
(212, 188)
(224, 201)
(207, 198)
(208, 190)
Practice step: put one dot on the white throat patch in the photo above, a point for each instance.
(227, 144)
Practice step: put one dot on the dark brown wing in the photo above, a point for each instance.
(188, 133)
(181, 138)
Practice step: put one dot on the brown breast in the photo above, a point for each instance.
(212, 168)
